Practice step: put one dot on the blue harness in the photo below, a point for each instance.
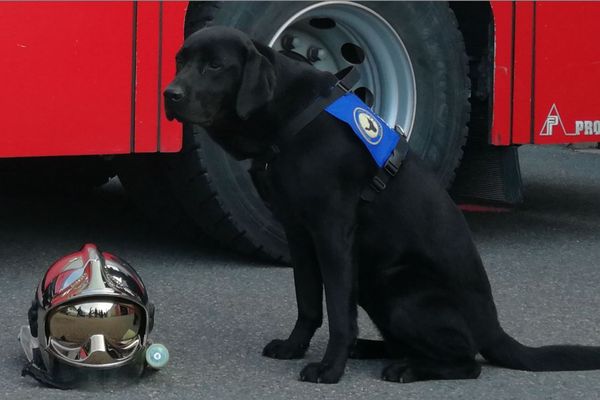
(376, 135)
(387, 147)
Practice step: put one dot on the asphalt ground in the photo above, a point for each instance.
(216, 311)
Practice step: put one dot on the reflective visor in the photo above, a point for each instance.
(95, 332)
(76, 323)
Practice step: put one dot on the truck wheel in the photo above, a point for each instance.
(414, 71)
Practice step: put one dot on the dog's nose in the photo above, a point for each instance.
(174, 94)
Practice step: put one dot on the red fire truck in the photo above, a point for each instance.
(467, 81)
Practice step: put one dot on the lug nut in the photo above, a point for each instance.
(289, 42)
(315, 54)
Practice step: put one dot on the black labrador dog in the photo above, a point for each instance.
(407, 257)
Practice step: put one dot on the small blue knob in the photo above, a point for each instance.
(157, 356)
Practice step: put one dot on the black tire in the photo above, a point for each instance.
(217, 192)
(224, 202)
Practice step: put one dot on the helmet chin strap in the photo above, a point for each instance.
(35, 365)
(42, 376)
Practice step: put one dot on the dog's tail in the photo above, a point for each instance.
(507, 352)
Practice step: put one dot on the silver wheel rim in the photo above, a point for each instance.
(387, 75)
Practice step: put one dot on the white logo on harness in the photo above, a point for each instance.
(554, 124)
(368, 125)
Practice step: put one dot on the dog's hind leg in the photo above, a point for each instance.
(437, 340)
(417, 369)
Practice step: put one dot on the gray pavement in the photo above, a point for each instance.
(215, 311)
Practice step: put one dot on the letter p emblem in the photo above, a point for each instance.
(551, 122)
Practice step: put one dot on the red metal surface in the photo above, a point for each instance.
(147, 72)
(71, 87)
(172, 34)
(503, 84)
(523, 72)
(66, 72)
(160, 34)
(567, 72)
(556, 65)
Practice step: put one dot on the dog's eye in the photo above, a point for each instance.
(215, 65)
(178, 64)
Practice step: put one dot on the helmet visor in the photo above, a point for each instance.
(102, 327)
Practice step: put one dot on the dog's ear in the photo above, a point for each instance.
(258, 82)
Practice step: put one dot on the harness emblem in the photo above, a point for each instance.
(368, 126)
(378, 138)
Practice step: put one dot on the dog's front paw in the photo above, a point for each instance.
(398, 372)
(321, 373)
(284, 350)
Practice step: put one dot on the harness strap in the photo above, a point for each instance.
(389, 170)
(347, 78)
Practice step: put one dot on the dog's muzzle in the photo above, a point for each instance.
(173, 97)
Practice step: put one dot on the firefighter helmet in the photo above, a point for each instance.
(90, 312)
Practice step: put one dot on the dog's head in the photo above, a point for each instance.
(220, 75)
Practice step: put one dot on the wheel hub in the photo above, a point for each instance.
(335, 34)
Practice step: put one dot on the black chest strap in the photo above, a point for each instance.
(389, 170)
(347, 78)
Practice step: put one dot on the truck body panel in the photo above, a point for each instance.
(86, 78)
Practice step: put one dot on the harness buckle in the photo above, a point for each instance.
(390, 166)
(343, 87)
(400, 131)
(347, 78)
(275, 149)
(378, 184)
